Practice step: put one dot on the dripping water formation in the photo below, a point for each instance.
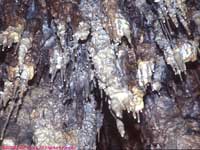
(100, 74)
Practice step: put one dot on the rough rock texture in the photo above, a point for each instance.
(100, 74)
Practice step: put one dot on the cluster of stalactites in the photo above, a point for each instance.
(24, 70)
(177, 51)
(103, 53)
(16, 83)
(176, 10)
(185, 51)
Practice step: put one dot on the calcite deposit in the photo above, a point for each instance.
(100, 74)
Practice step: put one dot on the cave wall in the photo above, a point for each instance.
(100, 74)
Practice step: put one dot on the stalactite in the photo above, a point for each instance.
(71, 68)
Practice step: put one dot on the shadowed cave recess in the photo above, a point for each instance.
(100, 74)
